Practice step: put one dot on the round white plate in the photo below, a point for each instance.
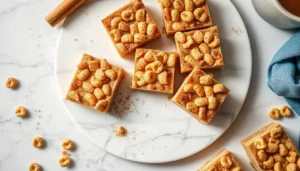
(158, 130)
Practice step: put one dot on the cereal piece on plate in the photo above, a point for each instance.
(270, 148)
(67, 144)
(130, 27)
(38, 142)
(64, 161)
(33, 166)
(154, 70)
(121, 131)
(11, 83)
(200, 95)
(21, 111)
(183, 15)
(95, 83)
(222, 161)
(199, 48)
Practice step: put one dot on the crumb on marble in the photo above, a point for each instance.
(147, 115)
(75, 39)
(121, 131)
(65, 153)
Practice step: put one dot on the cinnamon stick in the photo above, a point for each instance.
(62, 11)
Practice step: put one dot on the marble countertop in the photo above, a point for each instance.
(27, 53)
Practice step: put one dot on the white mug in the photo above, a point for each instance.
(273, 12)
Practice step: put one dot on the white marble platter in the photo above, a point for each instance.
(158, 130)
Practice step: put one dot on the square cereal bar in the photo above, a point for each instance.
(95, 83)
(154, 70)
(184, 15)
(199, 48)
(200, 95)
(222, 161)
(270, 148)
(130, 27)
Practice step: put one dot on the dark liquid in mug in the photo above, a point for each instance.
(293, 6)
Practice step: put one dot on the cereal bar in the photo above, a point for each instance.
(154, 70)
(222, 161)
(95, 83)
(200, 95)
(130, 27)
(183, 15)
(199, 48)
(270, 148)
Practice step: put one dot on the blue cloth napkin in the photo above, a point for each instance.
(284, 72)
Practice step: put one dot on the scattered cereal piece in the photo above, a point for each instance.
(75, 39)
(38, 142)
(11, 83)
(122, 131)
(21, 111)
(67, 144)
(34, 166)
(274, 113)
(285, 111)
(64, 161)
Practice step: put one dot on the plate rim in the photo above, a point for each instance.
(247, 43)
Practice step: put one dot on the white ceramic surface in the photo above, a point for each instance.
(272, 12)
(158, 131)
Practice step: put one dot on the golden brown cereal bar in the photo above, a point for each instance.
(130, 27)
(154, 70)
(199, 48)
(95, 83)
(200, 95)
(222, 161)
(183, 15)
(270, 148)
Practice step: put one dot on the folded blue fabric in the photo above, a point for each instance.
(284, 72)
